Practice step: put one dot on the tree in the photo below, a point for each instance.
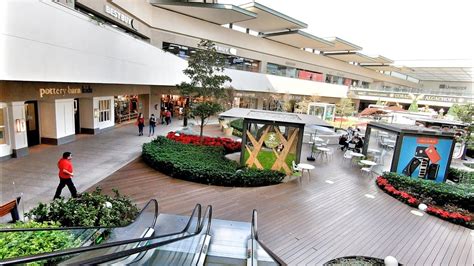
(206, 85)
(462, 112)
(413, 106)
(344, 108)
(302, 106)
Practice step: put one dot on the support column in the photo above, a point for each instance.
(17, 136)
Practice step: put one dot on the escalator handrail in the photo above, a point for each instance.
(124, 253)
(154, 201)
(254, 237)
(208, 230)
(72, 251)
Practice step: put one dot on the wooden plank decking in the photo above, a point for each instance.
(312, 222)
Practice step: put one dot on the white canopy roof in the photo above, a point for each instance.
(214, 13)
(269, 20)
(299, 39)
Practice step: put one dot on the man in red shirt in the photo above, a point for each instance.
(65, 175)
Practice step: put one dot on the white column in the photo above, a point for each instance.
(18, 139)
(57, 121)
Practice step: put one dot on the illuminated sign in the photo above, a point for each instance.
(119, 15)
(64, 91)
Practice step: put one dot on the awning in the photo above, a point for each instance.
(341, 45)
(269, 20)
(382, 60)
(274, 116)
(299, 39)
(214, 13)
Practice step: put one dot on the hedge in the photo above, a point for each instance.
(440, 193)
(238, 126)
(203, 164)
(461, 176)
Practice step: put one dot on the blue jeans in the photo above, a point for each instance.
(151, 130)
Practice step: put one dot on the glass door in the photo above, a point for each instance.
(32, 127)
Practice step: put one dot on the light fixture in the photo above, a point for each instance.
(369, 196)
(329, 182)
(417, 213)
(114, 26)
(96, 112)
(20, 125)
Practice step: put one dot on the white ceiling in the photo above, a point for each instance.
(440, 73)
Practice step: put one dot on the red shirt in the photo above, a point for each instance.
(64, 164)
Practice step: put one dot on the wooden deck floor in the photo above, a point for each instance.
(312, 222)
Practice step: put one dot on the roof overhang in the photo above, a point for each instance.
(274, 117)
(351, 57)
(459, 74)
(340, 45)
(269, 20)
(299, 39)
(382, 60)
(214, 13)
(383, 68)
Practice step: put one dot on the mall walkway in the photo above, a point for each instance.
(94, 158)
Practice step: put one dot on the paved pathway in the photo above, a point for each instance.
(94, 158)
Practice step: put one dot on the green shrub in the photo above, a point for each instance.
(89, 210)
(461, 176)
(203, 164)
(440, 193)
(238, 124)
(16, 244)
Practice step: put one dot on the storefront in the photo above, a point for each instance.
(33, 113)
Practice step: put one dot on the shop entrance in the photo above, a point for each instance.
(77, 122)
(126, 108)
(32, 126)
(174, 103)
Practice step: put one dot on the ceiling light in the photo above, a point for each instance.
(114, 26)
(417, 213)
(90, 14)
(329, 182)
(369, 196)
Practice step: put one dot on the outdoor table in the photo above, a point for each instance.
(318, 139)
(367, 162)
(356, 154)
(323, 151)
(373, 150)
(305, 167)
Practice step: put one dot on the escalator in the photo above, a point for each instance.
(142, 226)
(191, 246)
(120, 238)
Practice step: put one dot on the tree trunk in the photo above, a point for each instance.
(340, 124)
(202, 129)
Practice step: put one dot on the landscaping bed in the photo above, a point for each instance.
(91, 209)
(203, 164)
(229, 145)
(454, 203)
(355, 261)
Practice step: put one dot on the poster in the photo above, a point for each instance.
(424, 157)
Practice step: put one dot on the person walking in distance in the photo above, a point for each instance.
(168, 117)
(140, 124)
(152, 124)
(65, 176)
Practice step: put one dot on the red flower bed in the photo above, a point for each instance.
(229, 145)
(454, 217)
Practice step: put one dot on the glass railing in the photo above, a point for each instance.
(190, 249)
(257, 252)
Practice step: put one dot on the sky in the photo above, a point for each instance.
(414, 33)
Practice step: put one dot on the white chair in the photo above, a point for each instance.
(348, 156)
(296, 170)
(367, 170)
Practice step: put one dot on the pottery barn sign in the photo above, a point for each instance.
(64, 91)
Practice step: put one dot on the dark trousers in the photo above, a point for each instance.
(65, 182)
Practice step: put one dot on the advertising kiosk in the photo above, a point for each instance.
(410, 150)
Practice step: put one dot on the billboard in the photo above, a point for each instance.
(424, 157)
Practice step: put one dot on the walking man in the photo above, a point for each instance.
(151, 125)
(65, 175)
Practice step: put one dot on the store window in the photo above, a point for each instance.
(230, 61)
(310, 75)
(2, 126)
(104, 110)
(280, 70)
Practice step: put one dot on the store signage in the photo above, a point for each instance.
(65, 91)
(434, 98)
(444, 86)
(225, 50)
(119, 15)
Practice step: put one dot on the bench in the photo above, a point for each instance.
(12, 208)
